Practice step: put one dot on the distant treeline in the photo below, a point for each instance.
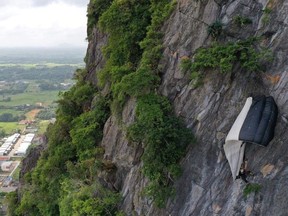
(8, 117)
(57, 73)
(14, 88)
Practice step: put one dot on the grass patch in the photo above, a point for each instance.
(266, 15)
(241, 21)
(42, 126)
(251, 188)
(16, 173)
(46, 97)
(11, 127)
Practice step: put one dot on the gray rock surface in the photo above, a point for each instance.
(94, 57)
(206, 186)
(30, 161)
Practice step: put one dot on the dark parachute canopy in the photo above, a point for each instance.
(254, 124)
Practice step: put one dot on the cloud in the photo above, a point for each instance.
(41, 3)
(4, 2)
(69, 2)
(15, 3)
(49, 25)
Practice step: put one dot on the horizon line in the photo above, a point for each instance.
(41, 47)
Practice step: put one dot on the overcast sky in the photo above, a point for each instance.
(43, 23)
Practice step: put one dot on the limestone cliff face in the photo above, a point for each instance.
(206, 186)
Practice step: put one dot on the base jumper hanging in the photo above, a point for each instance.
(254, 124)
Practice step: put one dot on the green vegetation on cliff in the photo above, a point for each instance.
(165, 140)
(251, 188)
(223, 57)
(67, 179)
(133, 54)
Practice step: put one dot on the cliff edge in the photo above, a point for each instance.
(206, 186)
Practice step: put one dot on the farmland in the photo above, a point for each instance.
(45, 97)
(30, 81)
(11, 127)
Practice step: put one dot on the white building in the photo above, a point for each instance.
(8, 144)
(21, 151)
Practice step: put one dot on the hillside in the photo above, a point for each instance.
(142, 130)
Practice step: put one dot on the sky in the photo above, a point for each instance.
(43, 23)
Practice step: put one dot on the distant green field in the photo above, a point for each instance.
(46, 97)
(11, 127)
(34, 67)
(32, 87)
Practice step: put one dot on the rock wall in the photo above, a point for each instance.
(206, 186)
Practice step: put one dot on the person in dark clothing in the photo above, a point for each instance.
(243, 173)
